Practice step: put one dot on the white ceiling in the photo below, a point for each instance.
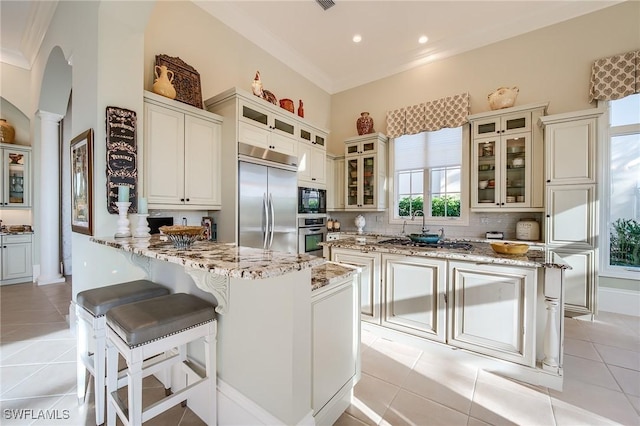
(317, 43)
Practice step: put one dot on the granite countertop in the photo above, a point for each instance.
(480, 251)
(16, 233)
(223, 259)
(330, 273)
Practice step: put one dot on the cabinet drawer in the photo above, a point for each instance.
(14, 239)
(253, 135)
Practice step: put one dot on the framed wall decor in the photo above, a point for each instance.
(186, 80)
(82, 183)
(122, 156)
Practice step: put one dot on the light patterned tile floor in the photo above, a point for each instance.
(400, 384)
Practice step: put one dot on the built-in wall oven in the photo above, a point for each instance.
(312, 230)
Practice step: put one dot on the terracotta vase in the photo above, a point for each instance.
(7, 132)
(163, 82)
(300, 109)
(364, 124)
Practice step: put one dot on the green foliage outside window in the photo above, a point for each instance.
(625, 243)
(407, 205)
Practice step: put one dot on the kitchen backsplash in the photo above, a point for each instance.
(479, 224)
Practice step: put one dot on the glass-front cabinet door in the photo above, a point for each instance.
(486, 172)
(361, 181)
(15, 178)
(352, 175)
(517, 166)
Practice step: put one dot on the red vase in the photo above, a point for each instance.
(364, 125)
(300, 109)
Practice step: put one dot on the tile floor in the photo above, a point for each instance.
(400, 384)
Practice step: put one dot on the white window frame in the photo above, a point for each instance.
(606, 269)
(463, 219)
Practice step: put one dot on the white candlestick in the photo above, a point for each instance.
(123, 221)
(142, 230)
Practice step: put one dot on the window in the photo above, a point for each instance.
(429, 169)
(620, 251)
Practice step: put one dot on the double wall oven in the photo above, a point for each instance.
(312, 220)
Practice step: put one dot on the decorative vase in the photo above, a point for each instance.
(7, 132)
(360, 222)
(300, 109)
(163, 82)
(286, 104)
(503, 97)
(364, 124)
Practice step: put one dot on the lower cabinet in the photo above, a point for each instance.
(580, 282)
(369, 280)
(415, 295)
(335, 348)
(17, 264)
(492, 310)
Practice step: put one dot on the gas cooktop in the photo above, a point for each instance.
(441, 244)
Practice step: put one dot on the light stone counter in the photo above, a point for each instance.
(329, 273)
(480, 252)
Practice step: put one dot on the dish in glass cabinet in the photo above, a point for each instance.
(486, 201)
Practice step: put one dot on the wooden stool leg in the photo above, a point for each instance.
(134, 381)
(112, 382)
(210, 347)
(99, 366)
(81, 352)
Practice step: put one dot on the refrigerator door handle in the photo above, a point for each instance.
(273, 219)
(265, 209)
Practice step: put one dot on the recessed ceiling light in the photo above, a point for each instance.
(357, 38)
(423, 39)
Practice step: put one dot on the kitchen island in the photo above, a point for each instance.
(463, 295)
(271, 308)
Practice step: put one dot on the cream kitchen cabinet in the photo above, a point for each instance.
(312, 153)
(17, 264)
(571, 222)
(266, 129)
(369, 280)
(182, 152)
(508, 160)
(415, 293)
(491, 310)
(15, 176)
(366, 172)
(335, 183)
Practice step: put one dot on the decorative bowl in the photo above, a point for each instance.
(182, 236)
(483, 184)
(509, 248)
(503, 97)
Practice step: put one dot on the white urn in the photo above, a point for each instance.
(360, 222)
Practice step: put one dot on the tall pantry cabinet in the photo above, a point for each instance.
(571, 226)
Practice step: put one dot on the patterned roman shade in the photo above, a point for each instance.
(451, 111)
(615, 77)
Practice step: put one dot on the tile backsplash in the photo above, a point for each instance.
(479, 224)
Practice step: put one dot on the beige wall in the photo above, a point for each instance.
(552, 64)
(224, 58)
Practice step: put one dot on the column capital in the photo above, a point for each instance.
(49, 116)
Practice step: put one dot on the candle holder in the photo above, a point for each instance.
(123, 221)
(142, 231)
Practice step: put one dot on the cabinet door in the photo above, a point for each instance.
(254, 135)
(571, 216)
(164, 155)
(16, 182)
(318, 166)
(353, 176)
(202, 162)
(339, 184)
(414, 296)
(16, 261)
(369, 175)
(515, 178)
(571, 152)
(502, 124)
(335, 342)
(369, 280)
(492, 311)
(580, 282)
(485, 173)
(304, 163)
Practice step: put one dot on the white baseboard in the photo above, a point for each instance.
(619, 301)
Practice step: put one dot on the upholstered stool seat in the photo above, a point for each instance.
(91, 307)
(160, 326)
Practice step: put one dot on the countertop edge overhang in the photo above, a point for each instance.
(480, 252)
(224, 259)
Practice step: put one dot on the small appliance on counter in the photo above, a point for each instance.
(528, 229)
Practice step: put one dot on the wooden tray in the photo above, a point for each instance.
(186, 80)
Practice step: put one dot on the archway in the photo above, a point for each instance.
(52, 107)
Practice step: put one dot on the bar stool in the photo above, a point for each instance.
(91, 307)
(163, 325)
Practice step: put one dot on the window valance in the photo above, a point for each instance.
(615, 77)
(451, 111)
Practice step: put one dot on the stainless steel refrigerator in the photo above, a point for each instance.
(267, 207)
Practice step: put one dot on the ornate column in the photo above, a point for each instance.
(49, 207)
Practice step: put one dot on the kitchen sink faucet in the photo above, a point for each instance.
(424, 227)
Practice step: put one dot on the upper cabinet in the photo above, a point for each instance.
(507, 153)
(182, 147)
(267, 129)
(15, 176)
(335, 183)
(366, 172)
(312, 157)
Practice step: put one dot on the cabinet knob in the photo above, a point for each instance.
(187, 200)
(182, 199)
(548, 215)
(313, 178)
(548, 180)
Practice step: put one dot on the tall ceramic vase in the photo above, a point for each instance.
(163, 82)
(364, 124)
(7, 132)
